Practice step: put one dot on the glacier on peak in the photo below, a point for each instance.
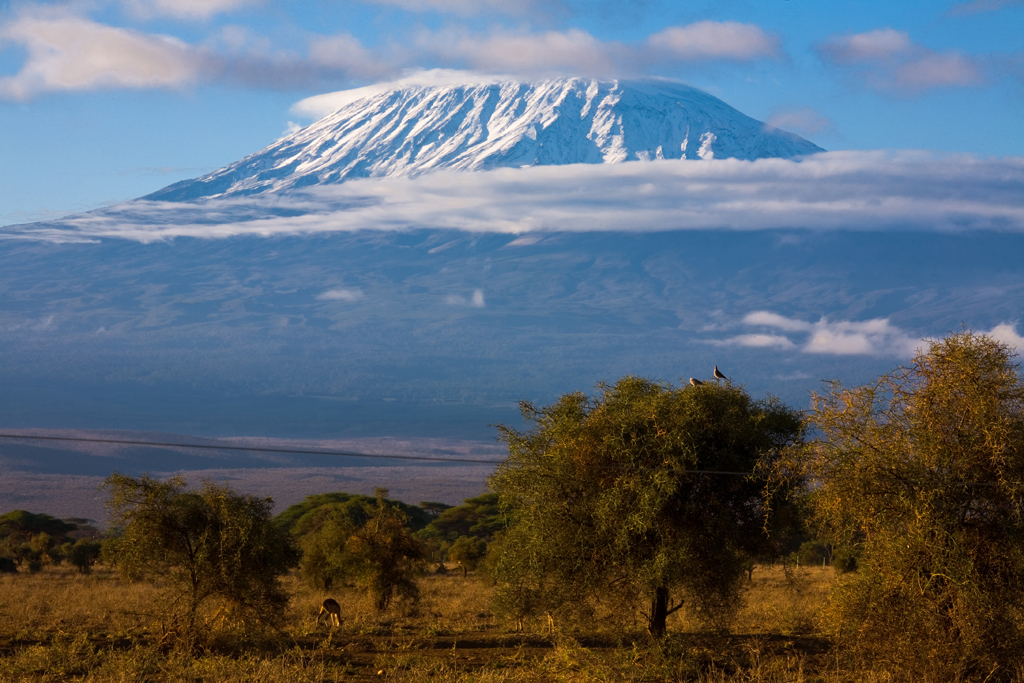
(413, 129)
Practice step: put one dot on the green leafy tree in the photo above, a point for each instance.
(478, 517)
(304, 517)
(381, 554)
(324, 560)
(634, 493)
(920, 477)
(23, 535)
(28, 524)
(468, 551)
(384, 555)
(83, 554)
(212, 543)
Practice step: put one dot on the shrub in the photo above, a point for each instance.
(921, 479)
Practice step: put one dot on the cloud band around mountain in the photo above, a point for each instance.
(828, 191)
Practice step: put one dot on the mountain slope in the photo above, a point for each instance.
(414, 129)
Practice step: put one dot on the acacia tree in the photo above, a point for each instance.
(380, 554)
(212, 543)
(922, 473)
(639, 492)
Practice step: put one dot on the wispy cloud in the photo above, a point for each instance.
(66, 51)
(888, 60)
(183, 9)
(471, 7)
(876, 337)
(476, 300)
(341, 295)
(981, 6)
(523, 52)
(576, 51)
(802, 120)
(758, 341)
(827, 191)
(707, 40)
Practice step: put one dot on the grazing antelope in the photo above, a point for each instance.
(332, 609)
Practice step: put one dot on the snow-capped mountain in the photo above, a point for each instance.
(413, 129)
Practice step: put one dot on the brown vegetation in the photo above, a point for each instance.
(61, 625)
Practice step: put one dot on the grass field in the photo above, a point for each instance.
(58, 625)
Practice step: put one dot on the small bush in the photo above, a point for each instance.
(83, 555)
(844, 560)
(8, 565)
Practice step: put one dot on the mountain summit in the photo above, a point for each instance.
(413, 129)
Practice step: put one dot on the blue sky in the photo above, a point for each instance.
(106, 100)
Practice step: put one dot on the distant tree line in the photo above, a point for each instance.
(33, 541)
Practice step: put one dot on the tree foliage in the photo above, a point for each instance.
(302, 518)
(206, 544)
(921, 475)
(468, 551)
(380, 553)
(477, 517)
(611, 495)
(25, 524)
(82, 554)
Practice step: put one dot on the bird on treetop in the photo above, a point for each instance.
(695, 382)
(718, 374)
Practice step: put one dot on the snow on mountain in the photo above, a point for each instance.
(414, 128)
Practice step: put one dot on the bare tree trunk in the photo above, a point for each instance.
(660, 611)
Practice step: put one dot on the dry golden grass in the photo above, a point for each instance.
(61, 626)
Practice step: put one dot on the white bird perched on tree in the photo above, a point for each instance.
(695, 382)
(719, 375)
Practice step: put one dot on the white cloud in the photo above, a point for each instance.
(476, 300)
(935, 69)
(759, 341)
(870, 46)
(705, 40)
(466, 7)
(67, 52)
(341, 295)
(888, 60)
(769, 319)
(183, 9)
(528, 53)
(521, 52)
(1007, 334)
(877, 337)
(873, 337)
(345, 53)
(826, 191)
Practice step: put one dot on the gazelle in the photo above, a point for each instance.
(332, 609)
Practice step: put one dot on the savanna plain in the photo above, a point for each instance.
(57, 624)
